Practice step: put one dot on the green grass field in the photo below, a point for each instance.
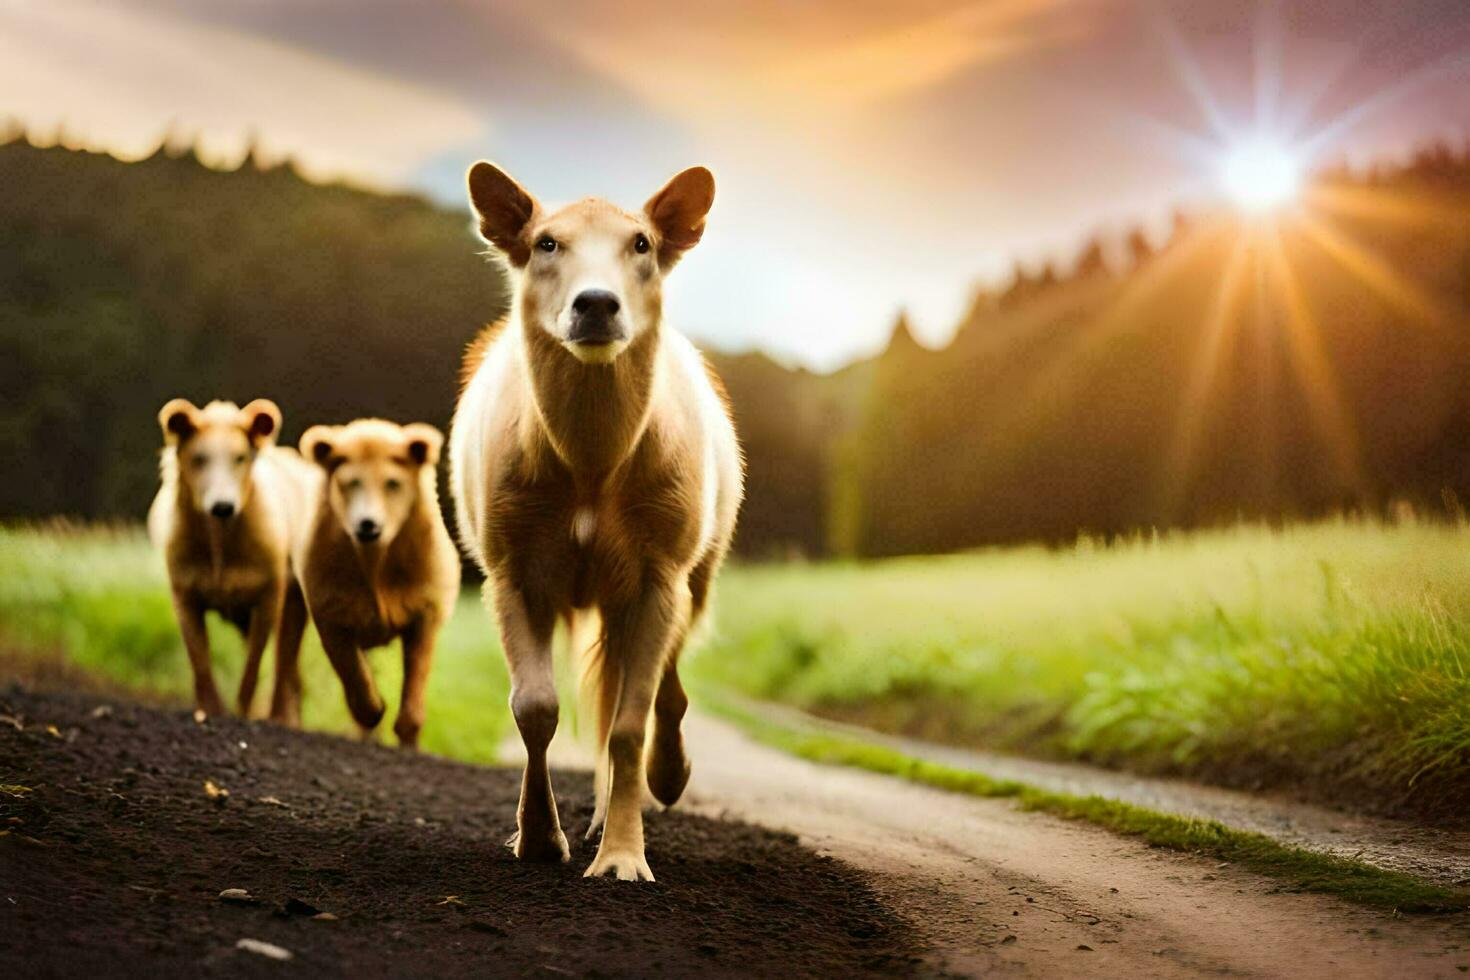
(1334, 655)
(99, 598)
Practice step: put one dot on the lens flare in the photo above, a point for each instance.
(1260, 176)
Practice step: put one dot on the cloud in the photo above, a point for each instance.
(117, 77)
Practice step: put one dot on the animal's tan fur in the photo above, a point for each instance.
(601, 481)
(239, 567)
(402, 585)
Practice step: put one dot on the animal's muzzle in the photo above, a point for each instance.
(595, 318)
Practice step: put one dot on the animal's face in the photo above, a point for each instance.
(215, 448)
(376, 473)
(591, 274)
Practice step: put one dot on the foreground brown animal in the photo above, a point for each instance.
(230, 504)
(595, 471)
(377, 562)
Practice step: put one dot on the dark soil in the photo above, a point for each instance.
(113, 859)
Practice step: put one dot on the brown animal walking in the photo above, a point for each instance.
(596, 475)
(376, 561)
(230, 503)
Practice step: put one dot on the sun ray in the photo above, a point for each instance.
(1023, 416)
(1373, 272)
(1193, 78)
(1314, 368)
(1179, 463)
(1383, 205)
(1328, 135)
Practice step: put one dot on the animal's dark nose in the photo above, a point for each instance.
(368, 530)
(224, 510)
(596, 302)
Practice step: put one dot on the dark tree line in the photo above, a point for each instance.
(1116, 395)
(125, 284)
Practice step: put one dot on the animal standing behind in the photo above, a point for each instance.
(596, 478)
(376, 561)
(230, 504)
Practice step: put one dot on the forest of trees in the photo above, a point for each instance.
(1229, 371)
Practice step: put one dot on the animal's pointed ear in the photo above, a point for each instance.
(318, 444)
(678, 212)
(262, 419)
(505, 209)
(179, 419)
(424, 443)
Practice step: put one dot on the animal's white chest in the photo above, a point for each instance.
(584, 525)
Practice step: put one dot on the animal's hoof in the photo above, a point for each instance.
(210, 704)
(367, 718)
(599, 819)
(286, 719)
(549, 847)
(625, 865)
(408, 736)
(668, 774)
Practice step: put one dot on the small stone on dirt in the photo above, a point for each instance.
(214, 791)
(1008, 940)
(1084, 947)
(325, 917)
(262, 948)
(102, 711)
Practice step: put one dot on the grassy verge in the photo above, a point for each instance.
(1296, 867)
(98, 598)
(1334, 656)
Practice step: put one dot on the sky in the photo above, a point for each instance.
(870, 157)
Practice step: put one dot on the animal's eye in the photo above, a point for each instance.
(546, 243)
(354, 484)
(199, 461)
(240, 460)
(393, 485)
(640, 243)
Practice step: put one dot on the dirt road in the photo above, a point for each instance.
(992, 890)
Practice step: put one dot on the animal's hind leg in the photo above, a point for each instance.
(286, 694)
(668, 765)
(527, 642)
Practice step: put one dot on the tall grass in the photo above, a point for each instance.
(1336, 653)
(98, 597)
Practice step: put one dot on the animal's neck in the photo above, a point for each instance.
(593, 414)
(219, 537)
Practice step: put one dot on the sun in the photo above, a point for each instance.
(1261, 175)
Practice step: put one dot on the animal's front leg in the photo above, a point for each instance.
(263, 619)
(638, 639)
(363, 700)
(418, 657)
(196, 641)
(525, 633)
